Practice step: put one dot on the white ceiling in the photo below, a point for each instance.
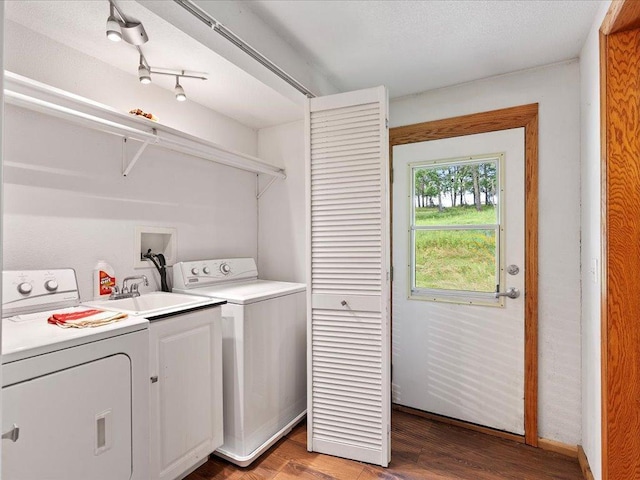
(409, 46)
(414, 46)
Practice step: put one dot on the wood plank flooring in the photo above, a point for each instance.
(421, 449)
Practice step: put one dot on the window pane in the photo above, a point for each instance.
(461, 194)
(456, 260)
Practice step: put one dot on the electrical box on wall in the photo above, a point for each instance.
(159, 240)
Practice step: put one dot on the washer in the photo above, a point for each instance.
(74, 401)
(263, 349)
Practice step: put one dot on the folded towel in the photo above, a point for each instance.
(85, 318)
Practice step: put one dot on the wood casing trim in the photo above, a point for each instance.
(525, 116)
(621, 240)
(603, 253)
(622, 15)
(584, 464)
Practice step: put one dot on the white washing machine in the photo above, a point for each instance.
(263, 351)
(74, 401)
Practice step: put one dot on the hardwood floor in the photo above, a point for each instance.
(421, 449)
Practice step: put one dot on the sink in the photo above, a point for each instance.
(153, 304)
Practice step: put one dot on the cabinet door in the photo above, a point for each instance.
(186, 400)
(349, 406)
(73, 425)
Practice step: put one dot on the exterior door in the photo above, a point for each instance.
(348, 264)
(458, 239)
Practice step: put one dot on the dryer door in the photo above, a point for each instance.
(74, 424)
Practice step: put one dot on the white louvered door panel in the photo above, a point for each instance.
(349, 409)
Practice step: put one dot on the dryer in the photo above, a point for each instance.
(263, 351)
(74, 401)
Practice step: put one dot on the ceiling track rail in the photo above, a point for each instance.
(32, 95)
(220, 29)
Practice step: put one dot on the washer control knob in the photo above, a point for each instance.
(195, 271)
(206, 270)
(25, 288)
(51, 285)
(225, 268)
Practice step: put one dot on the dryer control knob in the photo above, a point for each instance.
(51, 285)
(25, 288)
(225, 268)
(195, 271)
(206, 270)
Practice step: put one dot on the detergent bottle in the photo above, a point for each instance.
(104, 279)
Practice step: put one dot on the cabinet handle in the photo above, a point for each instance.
(12, 434)
(343, 303)
(154, 379)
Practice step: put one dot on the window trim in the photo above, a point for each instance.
(465, 297)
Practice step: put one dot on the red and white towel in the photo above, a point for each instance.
(85, 318)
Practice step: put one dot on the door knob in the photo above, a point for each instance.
(511, 292)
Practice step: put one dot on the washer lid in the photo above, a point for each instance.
(28, 335)
(243, 293)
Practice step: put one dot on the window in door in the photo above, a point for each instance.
(457, 229)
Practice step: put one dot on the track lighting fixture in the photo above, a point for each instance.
(121, 28)
(132, 31)
(144, 72)
(113, 27)
(179, 91)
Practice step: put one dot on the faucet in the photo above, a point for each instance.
(129, 291)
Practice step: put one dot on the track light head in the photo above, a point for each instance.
(179, 91)
(121, 28)
(113, 28)
(144, 72)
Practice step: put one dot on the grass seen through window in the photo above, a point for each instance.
(455, 259)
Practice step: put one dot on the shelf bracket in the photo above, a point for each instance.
(126, 170)
(266, 187)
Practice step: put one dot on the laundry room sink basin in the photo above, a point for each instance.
(152, 304)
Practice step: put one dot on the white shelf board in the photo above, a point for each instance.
(40, 97)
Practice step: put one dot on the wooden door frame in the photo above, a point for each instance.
(507, 118)
(620, 237)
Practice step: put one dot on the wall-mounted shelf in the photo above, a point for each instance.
(27, 93)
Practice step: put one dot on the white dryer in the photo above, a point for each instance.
(74, 401)
(264, 351)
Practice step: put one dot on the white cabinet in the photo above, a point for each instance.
(186, 399)
(73, 424)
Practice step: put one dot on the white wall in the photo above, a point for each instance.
(40, 58)
(281, 243)
(556, 88)
(591, 245)
(66, 203)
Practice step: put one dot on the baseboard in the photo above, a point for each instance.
(584, 464)
(460, 423)
(558, 447)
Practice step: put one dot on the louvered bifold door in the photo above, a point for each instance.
(349, 407)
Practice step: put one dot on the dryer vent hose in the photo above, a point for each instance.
(161, 265)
